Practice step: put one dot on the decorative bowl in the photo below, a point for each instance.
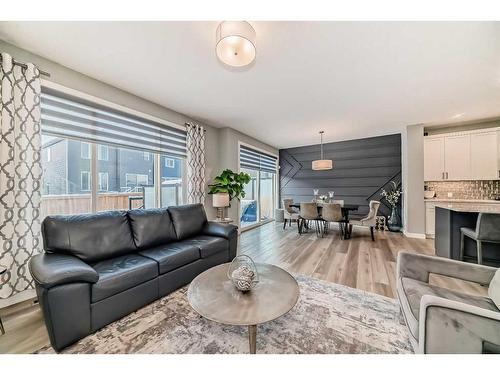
(428, 194)
(243, 273)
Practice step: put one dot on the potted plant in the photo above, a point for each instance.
(226, 187)
(392, 197)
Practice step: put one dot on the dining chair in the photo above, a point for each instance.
(289, 212)
(332, 213)
(368, 221)
(309, 212)
(487, 230)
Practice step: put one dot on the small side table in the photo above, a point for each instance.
(2, 271)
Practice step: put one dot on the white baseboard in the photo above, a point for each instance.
(415, 235)
(17, 298)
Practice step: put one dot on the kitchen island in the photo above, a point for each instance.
(450, 217)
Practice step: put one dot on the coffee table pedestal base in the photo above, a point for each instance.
(252, 338)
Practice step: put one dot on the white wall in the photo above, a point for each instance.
(413, 180)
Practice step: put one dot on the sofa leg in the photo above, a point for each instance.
(372, 233)
(2, 329)
(284, 224)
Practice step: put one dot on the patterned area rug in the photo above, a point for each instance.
(328, 318)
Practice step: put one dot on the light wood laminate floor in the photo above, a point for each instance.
(358, 263)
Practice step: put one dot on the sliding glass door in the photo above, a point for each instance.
(267, 201)
(260, 193)
(250, 204)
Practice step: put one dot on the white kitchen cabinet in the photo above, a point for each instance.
(467, 155)
(457, 157)
(430, 220)
(484, 155)
(433, 159)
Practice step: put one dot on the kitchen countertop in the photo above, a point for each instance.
(470, 207)
(473, 201)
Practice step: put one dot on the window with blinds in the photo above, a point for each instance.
(70, 117)
(97, 158)
(257, 160)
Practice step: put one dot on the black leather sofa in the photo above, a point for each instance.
(100, 267)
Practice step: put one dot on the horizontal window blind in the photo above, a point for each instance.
(70, 117)
(253, 159)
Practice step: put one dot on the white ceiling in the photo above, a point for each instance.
(352, 79)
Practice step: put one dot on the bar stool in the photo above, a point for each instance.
(487, 230)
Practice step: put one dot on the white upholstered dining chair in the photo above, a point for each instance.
(368, 221)
(289, 212)
(332, 213)
(309, 212)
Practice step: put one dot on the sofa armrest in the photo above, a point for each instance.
(447, 326)
(226, 231)
(50, 270)
(419, 266)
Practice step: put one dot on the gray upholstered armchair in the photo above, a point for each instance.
(441, 320)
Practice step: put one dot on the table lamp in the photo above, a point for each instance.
(220, 201)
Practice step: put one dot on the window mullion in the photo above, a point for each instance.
(157, 179)
(93, 179)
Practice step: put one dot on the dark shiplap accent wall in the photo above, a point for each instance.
(362, 167)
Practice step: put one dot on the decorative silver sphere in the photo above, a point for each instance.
(243, 273)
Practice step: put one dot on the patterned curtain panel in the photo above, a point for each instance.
(195, 144)
(20, 174)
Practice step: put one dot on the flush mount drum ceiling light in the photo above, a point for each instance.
(235, 43)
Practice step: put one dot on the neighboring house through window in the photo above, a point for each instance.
(85, 180)
(169, 163)
(103, 181)
(85, 150)
(102, 152)
(134, 180)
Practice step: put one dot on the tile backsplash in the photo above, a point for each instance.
(488, 189)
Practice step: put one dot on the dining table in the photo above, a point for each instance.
(346, 208)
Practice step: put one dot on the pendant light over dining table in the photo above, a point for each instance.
(322, 164)
(235, 43)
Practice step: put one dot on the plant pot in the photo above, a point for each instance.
(394, 222)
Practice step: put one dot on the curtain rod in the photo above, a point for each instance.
(25, 66)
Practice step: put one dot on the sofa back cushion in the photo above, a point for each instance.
(151, 227)
(90, 237)
(188, 220)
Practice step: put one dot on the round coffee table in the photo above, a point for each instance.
(213, 296)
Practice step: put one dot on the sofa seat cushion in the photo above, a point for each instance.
(208, 245)
(414, 290)
(121, 273)
(172, 256)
